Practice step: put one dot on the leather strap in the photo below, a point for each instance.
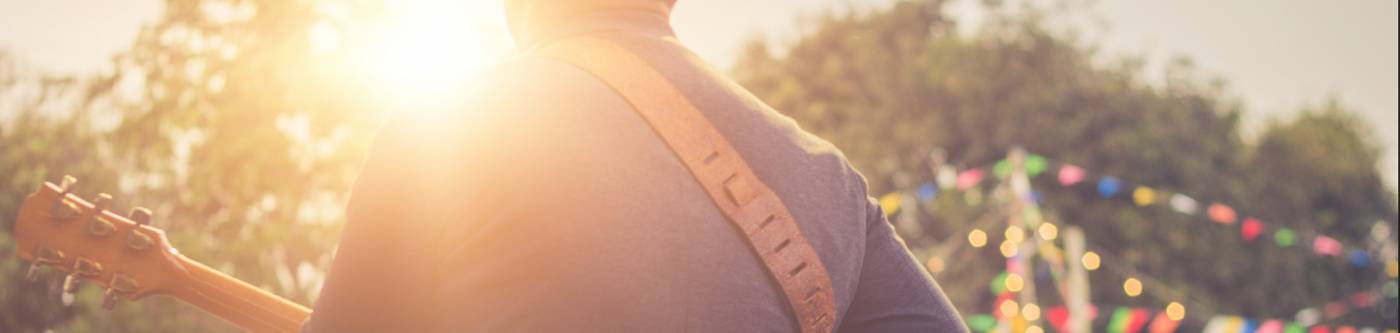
(754, 208)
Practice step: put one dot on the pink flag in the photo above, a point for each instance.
(1326, 246)
(1270, 326)
(1251, 228)
(969, 178)
(1069, 174)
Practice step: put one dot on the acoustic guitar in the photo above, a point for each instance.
(132, 260)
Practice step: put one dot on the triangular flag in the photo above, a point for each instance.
(1070, 175)
(1002, 169)
(1137, 319)
(1251, 228)
(1294, 328)
(1223, 324)
(1334, 309)
(1035, 165)
(1308, 316)
(1144, 196)
(1184, 204)
(1221, 213)
(1346, 329)
(928, 191)
(969, 178)
(1163, 324)
(1118, 323)
(1285, 237)
(891, 202)
(1326, 246)
(1270, 326)
(1320, 329)
(1108, 186)
(1058, 317)
(1359, 258)
(947, 177)
(1249, 326)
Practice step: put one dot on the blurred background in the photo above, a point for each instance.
(1169, 166)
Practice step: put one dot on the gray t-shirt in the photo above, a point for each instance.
(544, 203)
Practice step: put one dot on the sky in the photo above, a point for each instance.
(1277, 55)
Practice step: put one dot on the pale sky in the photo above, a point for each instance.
(1276, 55)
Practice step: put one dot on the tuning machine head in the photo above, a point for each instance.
(63, 209)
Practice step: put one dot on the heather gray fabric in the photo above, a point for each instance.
(544, 203)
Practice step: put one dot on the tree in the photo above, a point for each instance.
(892, 86)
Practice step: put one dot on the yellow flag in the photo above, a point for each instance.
(891, 202)
(1144, 196)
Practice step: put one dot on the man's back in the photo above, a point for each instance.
(546, 203)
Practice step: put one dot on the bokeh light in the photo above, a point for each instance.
(1090, 260)
(1031, 312)
(1132, 287)
(1176, 311)
(1014, 282)
(1048, 231)
(977, 238)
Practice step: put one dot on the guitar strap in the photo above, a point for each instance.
(744, 199)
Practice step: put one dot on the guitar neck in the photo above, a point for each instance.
(240, 303)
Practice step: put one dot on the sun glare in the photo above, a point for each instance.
(425, 49)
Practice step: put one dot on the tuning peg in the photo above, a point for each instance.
(33, 273)
(71, 283)
(109, 300)
(99, 226)
(62, 209)
(120, 284)
(42, 256)
(102, 202)
(141, 215)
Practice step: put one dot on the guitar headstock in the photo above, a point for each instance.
(123, 254)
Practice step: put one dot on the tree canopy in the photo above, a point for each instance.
(244, 140)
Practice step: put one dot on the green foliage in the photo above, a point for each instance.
(892, 87)
(222, 121)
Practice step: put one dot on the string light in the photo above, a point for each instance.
(977, 238)
(1392, 268)
(1015, 234)
(1034, 329)
(1048, 231)
(1132, 287)
(1014, 282)
(1031, 312)
(1090, 260)
(1175, 311)
(1009, 249)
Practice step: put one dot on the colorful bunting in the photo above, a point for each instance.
(1320, 329)
(927, 191)
(1184, 204)
(1326, 246)
(1285, 237)
(1109, 185)
(1251, 228)
(1223, 324)
(969, 178)
(947, 177)
(1163, 324)
(1359, 258)
(1221, 213)
(981, 322)
(1144, 196)
(891, 202)
(1270, 326)
(1035, 165)
(1070, 175)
